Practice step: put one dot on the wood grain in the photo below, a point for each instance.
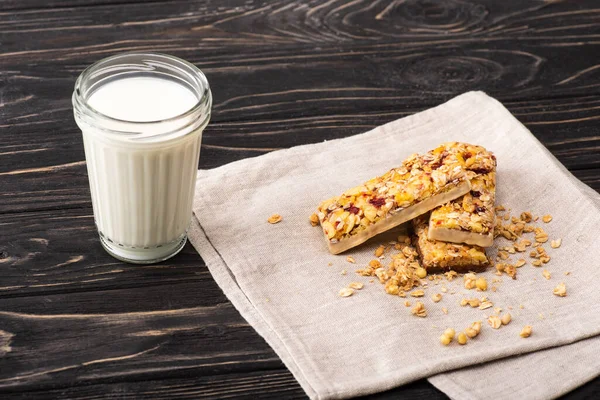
(75, 323)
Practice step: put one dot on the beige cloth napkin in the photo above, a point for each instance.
(279, 279)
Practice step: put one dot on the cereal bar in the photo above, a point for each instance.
(469, 219)
(443, 256)
(422, 183)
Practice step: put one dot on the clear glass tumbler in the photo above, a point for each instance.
(142, 117)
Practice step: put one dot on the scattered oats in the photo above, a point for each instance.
(267, 299)
(444, 289)
(464, 302)
(346, 292)
(461, 338)
(521, 306)
(445, 310)
(533, 254)
(494, 288)
(419, 310)
(560, 290)
(555, 244)
(330, 264)
(470, 280)
(495, 321)
(485, 305)
(511, 271)
(474, 303)
(436, 297)
(536, 263)
(506, 318)
(526, 331)
(567, 273)
(506, 217)
(477, 326)
(407, 303)
(356, 285)
(497, 310)
(351, 260)
(545, 259)
(450, 275)
(541, 316)
(503, 255)
(546, 274)
(526, 216)
(520, 262)
(314, 220)
(547, 218)
(275, 218)
(344, 272)
(379, 251)
(417, 293)
(500, 208)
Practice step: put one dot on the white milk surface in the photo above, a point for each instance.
(142, 99)
(142, 194)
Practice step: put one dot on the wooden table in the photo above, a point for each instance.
(76, 323)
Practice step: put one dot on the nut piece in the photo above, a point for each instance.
(419, 310)
(379, 251)
(547, 218)
(526, 331)
(351, 260)
(506, 319)
(346, 292)
(436, 297)
(462, 338)
(314, 220)
(445, 340)
(471, 333)
(560, 290)
(450, 332)
(356, 285)
(495, 321)
(481, 284)
(275, 218)
(520, 262)
(555, 244)
(421, 272)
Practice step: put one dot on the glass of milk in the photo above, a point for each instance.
(142, 117)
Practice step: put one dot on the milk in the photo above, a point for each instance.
(142, 185)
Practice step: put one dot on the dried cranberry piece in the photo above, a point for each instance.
(468, 155)
(352, 209)
(475, 193)
(481, 170)
(479, 209)
(377, 201)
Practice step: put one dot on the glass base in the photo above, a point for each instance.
(140, 255)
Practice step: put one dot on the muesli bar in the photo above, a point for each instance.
(436, 255)
(422, 183)
(469, 219)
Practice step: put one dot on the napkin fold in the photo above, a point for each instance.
(285, 283)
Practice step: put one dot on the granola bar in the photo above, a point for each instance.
(436, 255)
(471, 218)
(422, 183)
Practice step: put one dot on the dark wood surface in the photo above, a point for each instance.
(76, 323)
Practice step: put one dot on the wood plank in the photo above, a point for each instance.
(272, 384)
(125, 335)
(59, 252)
(47, 173)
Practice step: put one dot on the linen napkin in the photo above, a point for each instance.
(285, 283)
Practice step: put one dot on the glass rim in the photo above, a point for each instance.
(204, 94)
